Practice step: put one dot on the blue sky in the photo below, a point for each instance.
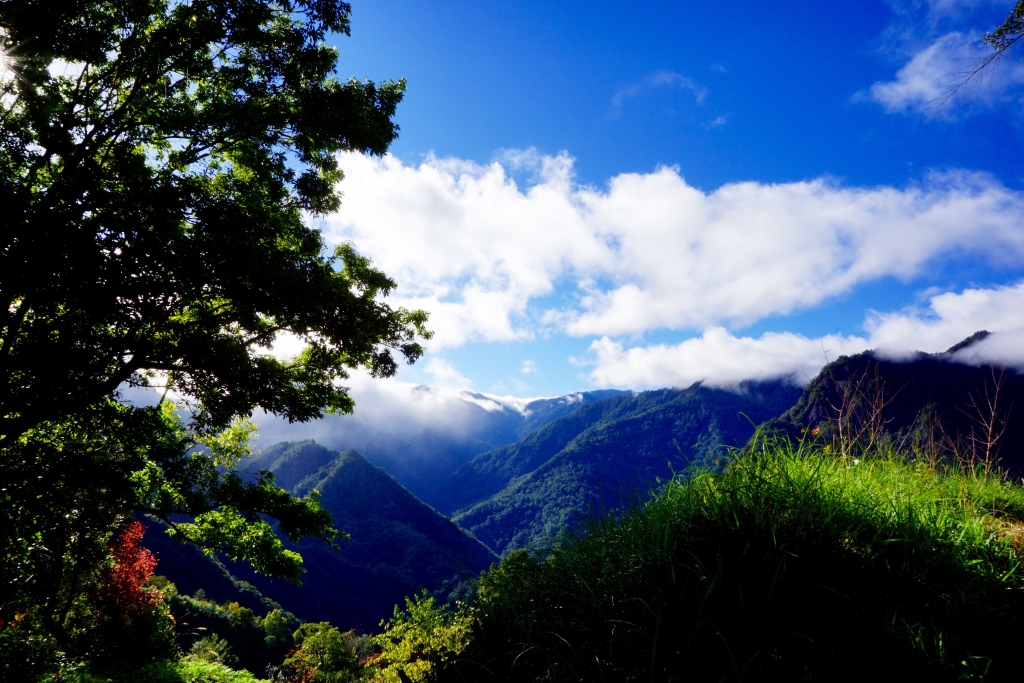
(792, 166)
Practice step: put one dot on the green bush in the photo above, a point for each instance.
(198, 671)
(417, 640)
(788, 565)
(323, 655)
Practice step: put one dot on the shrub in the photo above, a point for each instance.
(199, 671)
(417, 640)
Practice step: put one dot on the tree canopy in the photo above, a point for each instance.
(158, 159)
(160, 164)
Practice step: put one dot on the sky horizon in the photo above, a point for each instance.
(584, 198)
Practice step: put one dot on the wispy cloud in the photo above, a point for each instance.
(718, 121)
(519, 385)
(657, 81)
(944, 74)
(528, 367)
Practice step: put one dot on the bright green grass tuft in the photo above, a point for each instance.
(789, 565)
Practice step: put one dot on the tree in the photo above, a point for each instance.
(1001, 40)
(324, 655)
(418, 640)
(1006, 35)
(129, 623)
(154, 199)
(159, 163)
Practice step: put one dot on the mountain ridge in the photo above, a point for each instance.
(610, 451)
(399, 544)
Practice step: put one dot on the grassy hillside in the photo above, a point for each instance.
(398, 545)
(607, 452)
(789, 565)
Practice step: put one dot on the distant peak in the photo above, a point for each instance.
(970, 341)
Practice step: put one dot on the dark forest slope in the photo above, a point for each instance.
(399, 544)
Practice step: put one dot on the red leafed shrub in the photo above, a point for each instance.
(129, 625)
(122, 594)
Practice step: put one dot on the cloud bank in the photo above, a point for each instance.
(722, 359)
(493, 261)
(390, 411)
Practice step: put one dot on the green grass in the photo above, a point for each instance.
(789, 565)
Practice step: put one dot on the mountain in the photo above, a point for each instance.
(422, 437)
(399, 544)
(606, 453)
(927, 401)
(492, 471)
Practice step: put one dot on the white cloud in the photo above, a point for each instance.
(528, 367)
(444, 375)
(398, 410)
(943, 63)
(464, 241)
(1003, 349)
(649, 251)
(721, 359)
(717, 358)
(950, 317)
(943, 73)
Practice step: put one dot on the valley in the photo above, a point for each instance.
(435, 524)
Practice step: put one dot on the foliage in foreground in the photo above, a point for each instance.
(789, 565)
(417, 641)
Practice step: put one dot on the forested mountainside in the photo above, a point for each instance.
(607, 453)
(398, 545)
(927, 402)
(422, 453)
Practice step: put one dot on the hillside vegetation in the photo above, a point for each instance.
(791, 564)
